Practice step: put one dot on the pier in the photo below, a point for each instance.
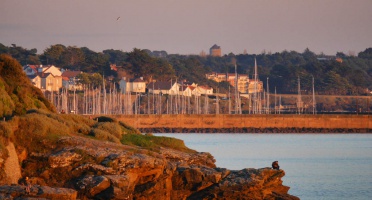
(247, 123)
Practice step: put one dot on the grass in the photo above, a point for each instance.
(39, 131)
(104, 135)
(154, 142)
(110, 127)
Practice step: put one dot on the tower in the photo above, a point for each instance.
(215, 50)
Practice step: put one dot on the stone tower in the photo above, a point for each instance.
(215, 50)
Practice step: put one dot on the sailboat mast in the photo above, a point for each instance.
(314, 103)
(299, 102)
(255, 106)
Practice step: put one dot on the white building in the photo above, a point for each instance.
(134, 85)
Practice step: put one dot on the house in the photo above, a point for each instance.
(218, 77)
(70, 80)
(50, 82)
(242, 80)
(34, 69)
(46, 81)
(52, 69)
(30, 70)
(215, 50)
(46, 77)
(186, 90)
(243, 83)
(137, 85)
(163, 87)
(123, 85)
(134, 85)
(35, 80)
(230, 77)
(113, 67)
(206, 90)
(195, 91)
(252, 85)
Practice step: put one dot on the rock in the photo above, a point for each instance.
(93, 168)
(37, 192)
(263, 183)
(12, 169)
(92, 185)
(123, 185)
(63, 159)
(120, 172)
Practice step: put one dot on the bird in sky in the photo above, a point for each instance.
(117, 19)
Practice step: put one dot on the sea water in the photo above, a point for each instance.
(317, 166)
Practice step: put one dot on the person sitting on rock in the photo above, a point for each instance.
(275, 165)
(28, 185)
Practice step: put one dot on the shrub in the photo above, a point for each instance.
(104, 135)
(6, 130)
(110, 127)
(104, 119)
(38, 132)
(129, 129)
(154, 142)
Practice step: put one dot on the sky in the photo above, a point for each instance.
(190, 26)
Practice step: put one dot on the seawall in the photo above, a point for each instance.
(249, 123)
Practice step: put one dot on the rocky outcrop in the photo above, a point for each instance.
(37, 192)
(11, 166)
(102, 170)
(262, 183)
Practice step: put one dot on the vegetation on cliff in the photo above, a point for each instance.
(17, 95)
(34, 127)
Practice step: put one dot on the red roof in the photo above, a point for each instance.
(205, 87)
(71, 74)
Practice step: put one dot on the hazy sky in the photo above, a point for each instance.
(189, 26)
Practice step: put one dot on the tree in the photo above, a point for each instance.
(309, 55)
(72, 57)
(53, 54)
(141, 64)
(367, 54)
(95, 62)
(22, 55)
(116, 56)
(94, 80)
(3, 49)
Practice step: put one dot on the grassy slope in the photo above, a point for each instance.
(17, 94)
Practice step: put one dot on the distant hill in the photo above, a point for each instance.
(17, 94)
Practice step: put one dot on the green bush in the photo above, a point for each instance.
(6, 130)
(104, 135)
(19, 94)
(110, 127)
(129, 129)
(39, 132)
(154, 142)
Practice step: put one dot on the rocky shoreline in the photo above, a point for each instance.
(254, 130)
(83, 168)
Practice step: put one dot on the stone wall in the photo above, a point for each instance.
(247, 121)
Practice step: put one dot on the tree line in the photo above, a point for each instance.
(334, 75)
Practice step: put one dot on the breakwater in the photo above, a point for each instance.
(249, 123)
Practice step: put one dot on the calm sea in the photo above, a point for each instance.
(317, 166)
